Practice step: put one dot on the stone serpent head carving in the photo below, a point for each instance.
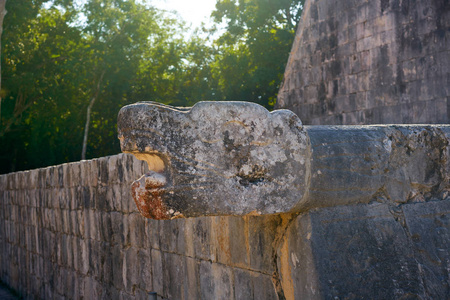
(216, 158)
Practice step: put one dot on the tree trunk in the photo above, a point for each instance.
(2, 15)
(88, 115)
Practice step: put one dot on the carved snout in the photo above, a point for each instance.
(217, 158)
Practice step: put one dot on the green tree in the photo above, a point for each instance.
(252, 53)
(56, 69)
(33, 69)
(117, 33)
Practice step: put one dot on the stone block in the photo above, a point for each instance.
(310, 93)
(97, 259)
(49, 245)
(73, 194)
(201, 230)
(65, 221)
(75, 174)
(119, 235)
(68, 284)
(152, 234)
(301, 261)
(106, 233)
(174, 276)
(90, 225)
(145, 270)
(47, 177)
(117, 257)
(84, 173)
(21, 183)
(441, 110)
(262, 231)
(102, 171)
(157, 271)
(127, 164)
(48, 291)
(64, 198)
(409, 70)
(240, 184)
(192, 284)
(173, 235)
(113, 194)
(102, 202)
(38, 232)
(61, 254)
(263, 287)
(107, 265)
(137, 236)
(239, 241)
(110, 164)
(86, 199)
(141, 295)
(428, 226)
(84, 257)
(75, 222)
(57, 220)
(131, 269)
(243, 284)
(91, 289)
(60, 281)
(128, 205)
(110, 292)
(220, 236)
(363, 245)
(215, 281)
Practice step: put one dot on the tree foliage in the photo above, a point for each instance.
(254, 49)
(68, 68)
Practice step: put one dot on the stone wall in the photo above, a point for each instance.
(370, 62)
(73, 232)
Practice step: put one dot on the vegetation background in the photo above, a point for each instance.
(67, 68)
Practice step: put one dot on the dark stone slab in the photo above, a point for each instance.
(428, 225)
(356, 252)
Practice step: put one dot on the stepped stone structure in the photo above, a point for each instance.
(370, 62)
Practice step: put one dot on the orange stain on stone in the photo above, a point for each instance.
(149, 202)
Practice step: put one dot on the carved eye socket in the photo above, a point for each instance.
(250, 181)
(255, 176)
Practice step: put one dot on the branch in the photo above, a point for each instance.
(88, 116)
(19, 108)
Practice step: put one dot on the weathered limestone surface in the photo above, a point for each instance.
(371, 251)
(73, 231)
(378, 163)
(236, 158)
(228, 158)
(370, 62)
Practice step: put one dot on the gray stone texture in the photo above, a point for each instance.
(232, 158)
(86, 238)
(371, 252)
(370, 62)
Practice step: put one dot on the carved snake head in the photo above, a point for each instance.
(216, 158)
